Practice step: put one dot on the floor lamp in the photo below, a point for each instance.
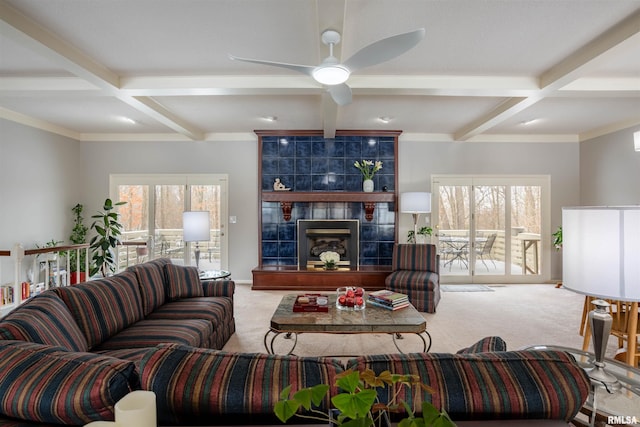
(415, 203)
(600, 250)
(195, 225)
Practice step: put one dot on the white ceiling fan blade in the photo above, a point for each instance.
(304, 69)
(341, 94)
(384, 50)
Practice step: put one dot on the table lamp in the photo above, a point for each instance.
(415, 203)
(600, 250)
(195, 225)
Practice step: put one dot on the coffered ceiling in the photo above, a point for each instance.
(487, 70)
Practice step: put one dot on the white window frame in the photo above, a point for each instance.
(116, 180)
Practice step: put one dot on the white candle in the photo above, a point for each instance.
(137, 409)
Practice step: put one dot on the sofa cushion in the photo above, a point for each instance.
(151, 332)
(104, 307)
(183, 282)
(51, 385)
(486, 344)
(219, 384)
(217, 310)
(44, 319)
(500, 385)
(151, 279)
(421, 257)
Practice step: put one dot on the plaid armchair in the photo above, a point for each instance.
(416, 272)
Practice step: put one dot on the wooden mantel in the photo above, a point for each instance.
(287, 198)
(292, 278)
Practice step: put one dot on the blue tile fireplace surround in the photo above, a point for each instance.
(324, 184)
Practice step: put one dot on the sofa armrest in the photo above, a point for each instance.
(218, 288)
(490, 386)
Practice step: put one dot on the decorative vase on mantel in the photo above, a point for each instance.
(367, 185)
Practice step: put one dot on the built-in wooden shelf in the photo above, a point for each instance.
(278, 277)
(287, 198)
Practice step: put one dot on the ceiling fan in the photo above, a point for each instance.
(334, 74)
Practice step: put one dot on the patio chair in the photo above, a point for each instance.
(416, 273)
(486, 251)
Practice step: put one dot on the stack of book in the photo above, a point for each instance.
(388, 299)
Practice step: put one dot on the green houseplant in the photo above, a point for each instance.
(357, 405)
(78, 236)
(424, 231)
(108, 230)
(557, 238)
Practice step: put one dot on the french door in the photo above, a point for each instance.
(491, 229)
(153, 214)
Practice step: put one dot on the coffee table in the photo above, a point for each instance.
(371, 320)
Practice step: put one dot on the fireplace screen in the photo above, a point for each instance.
(317, 236)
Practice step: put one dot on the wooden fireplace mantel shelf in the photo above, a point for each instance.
(370, 277)
(287, 198)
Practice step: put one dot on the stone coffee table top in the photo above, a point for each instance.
(370, 320)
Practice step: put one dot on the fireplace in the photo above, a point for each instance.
(317, 236)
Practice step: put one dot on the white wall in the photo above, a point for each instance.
(419, 160)
(238, 159)
(39, 184)
(610, 170)
(63, 172)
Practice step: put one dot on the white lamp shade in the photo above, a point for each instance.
(601, 251)
(195, 225)
(415, 202)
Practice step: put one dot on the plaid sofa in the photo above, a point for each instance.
(102, 329)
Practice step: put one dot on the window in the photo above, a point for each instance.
(492, 229)
(153, 214)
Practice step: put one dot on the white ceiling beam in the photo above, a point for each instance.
(37, 123)
(33, 36)
(561, 74)
(466, 86)
(329, 116)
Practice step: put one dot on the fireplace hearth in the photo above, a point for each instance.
(318, 236)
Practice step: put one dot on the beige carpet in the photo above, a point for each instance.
(521, 314)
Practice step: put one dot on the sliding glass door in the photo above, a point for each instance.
(491, 229)
(153, 214)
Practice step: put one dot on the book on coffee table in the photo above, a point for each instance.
(387, 306)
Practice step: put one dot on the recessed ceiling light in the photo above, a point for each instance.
(127, 120)
(529, 122)
(270, 118)
(385, 119)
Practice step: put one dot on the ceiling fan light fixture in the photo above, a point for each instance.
(331, 74)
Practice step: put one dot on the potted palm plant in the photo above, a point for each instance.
(78, 236)
(103, 245)
(423, 232)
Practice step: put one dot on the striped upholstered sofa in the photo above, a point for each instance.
(199, 386)
(68, 354)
